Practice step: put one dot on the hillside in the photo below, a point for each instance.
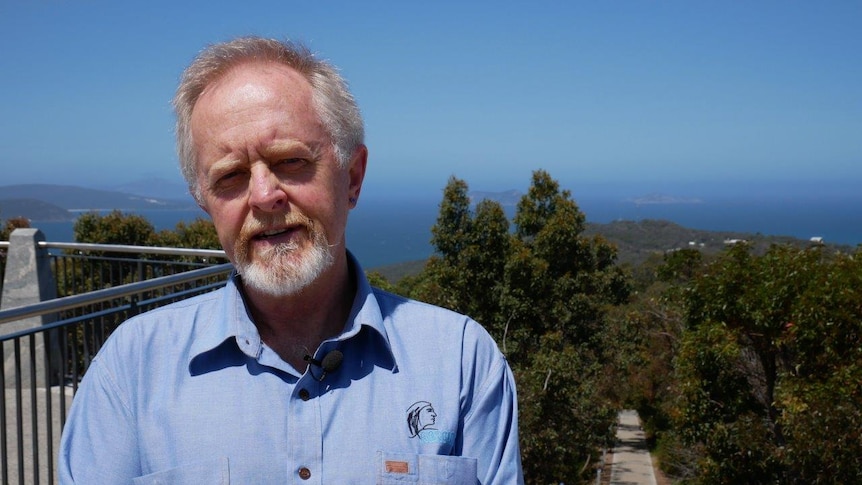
(81, 199)
(154, 187)
(636, 241)
(35, 210)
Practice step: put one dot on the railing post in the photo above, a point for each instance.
(29, 280)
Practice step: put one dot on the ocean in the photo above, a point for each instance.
(384, 232)
(378, 233)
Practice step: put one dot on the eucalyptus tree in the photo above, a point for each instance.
(769, 372)
(542, 289)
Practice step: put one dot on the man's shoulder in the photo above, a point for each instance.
(421, 322)
(170, 322)
(401, 308)
(206, 302)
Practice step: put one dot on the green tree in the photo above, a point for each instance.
(106, 268)
(198, 234)
(100, 269)
(10, 225)
(471, 253)
(819, 392)
(543, 291)
(768, 387)
(113, 228)
(649, 332)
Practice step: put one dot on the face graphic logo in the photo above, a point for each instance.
(420, 416)
(421, 422)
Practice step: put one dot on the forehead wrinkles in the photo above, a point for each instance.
(251, 92)
(251, 83)
(245, 96)
(243, 93)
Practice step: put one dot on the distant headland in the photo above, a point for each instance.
(54, 203)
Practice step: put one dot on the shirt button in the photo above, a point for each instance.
(304, 395)
(304, 473)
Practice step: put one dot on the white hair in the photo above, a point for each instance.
(331, 98)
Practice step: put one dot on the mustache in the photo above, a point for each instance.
(261, 223)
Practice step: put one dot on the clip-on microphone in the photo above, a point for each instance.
(330, 363)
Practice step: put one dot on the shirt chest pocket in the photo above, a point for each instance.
(408, 468)
(214, 471)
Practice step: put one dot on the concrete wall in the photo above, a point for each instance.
(28, 280)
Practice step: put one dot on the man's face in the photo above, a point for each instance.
(428, 417)
(269, 178)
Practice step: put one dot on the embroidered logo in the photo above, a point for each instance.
(421, 419)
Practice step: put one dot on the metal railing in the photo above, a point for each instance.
(84, 267)
(58, 353)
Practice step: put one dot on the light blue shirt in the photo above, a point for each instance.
(188, 393)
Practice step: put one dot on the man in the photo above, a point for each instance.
(297, 371)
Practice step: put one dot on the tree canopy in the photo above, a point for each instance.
(542, 289)
(765, 363)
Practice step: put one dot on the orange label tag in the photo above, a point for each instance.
(397, 467)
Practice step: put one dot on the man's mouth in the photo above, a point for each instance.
(271, 233)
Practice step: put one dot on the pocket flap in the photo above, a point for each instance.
(400, 468)
(215, 471)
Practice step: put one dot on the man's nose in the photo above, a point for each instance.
(265, 191)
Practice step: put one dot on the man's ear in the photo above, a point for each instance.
(356, 171)
(199, 200)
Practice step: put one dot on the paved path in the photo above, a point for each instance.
(632, 463)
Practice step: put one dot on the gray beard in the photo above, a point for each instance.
(274, 274)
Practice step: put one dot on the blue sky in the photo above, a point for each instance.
(621, 96)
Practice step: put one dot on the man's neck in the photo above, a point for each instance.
(295, 325)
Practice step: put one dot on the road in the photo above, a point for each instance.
(632, 464)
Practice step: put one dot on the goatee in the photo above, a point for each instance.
(282, 269)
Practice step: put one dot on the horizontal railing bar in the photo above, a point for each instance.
(110, 311)
(120, 259)
(123, 248)
(69, 302)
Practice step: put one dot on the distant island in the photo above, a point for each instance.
(663, 199)
(508, 198)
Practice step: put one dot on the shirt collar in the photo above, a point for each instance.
(233, 321)
(365, 311)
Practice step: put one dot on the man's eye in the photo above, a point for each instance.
(228, 179)
(228, 176)
(291, 161)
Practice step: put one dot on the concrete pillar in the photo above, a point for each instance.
(29, 280)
